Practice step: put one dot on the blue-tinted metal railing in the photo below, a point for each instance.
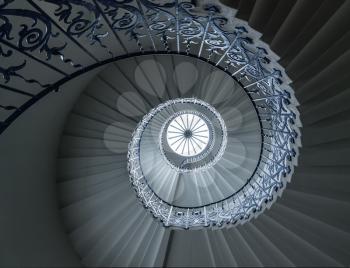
(71, 37)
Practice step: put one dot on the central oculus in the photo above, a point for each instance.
(188, 134)
(192, 135)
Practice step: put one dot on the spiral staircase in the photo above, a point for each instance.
(70, 104)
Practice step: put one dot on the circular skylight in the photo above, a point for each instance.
(193, 135)
(188, 135)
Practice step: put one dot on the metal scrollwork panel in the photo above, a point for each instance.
(161, 23)
(25, 35)
(82, 22)
(128, 21)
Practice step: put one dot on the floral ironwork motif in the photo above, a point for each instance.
(172, 26)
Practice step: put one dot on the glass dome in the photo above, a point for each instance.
(187, 134)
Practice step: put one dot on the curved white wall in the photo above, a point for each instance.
(30, 225)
